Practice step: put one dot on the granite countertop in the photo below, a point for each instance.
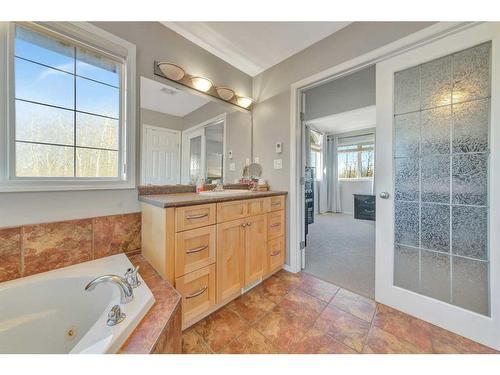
(189, 199)
(150, 335)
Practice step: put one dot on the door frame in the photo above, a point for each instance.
(185, 133)
(144, 128)
(479, 327)
(296, 192)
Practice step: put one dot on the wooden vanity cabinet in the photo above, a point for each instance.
(212, 252)
(230, 259)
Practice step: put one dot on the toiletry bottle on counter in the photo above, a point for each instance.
(199, 185)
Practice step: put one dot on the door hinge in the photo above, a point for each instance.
(302, 245)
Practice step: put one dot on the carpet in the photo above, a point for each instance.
(341, 250)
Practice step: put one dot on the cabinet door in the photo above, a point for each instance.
(230, 259)
(255, 247)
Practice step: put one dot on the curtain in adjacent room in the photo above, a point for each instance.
(333, 191)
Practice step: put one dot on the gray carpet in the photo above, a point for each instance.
(341, 250)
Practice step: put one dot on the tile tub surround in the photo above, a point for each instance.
(32, 249)
(159, 332)
(298, 313)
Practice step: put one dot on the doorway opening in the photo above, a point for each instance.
(339, 118)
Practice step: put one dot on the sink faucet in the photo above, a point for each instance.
(126, 291)
(219, 187)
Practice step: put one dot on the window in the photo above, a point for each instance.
(68, 110)
(316, 149)
(355, 160)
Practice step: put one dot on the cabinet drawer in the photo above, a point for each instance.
(194, 249)
(275, 224)
(232, 210)
(258, 206)
(277, 203)
(194, 216)
(198, 293)
(275, 255)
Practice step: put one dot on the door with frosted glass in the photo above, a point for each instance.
(436, 251)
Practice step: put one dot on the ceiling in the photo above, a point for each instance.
(361, 118)
(254, 47)
(159, 97)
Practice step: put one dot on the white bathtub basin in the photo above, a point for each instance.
(224, 193)
(52, 313)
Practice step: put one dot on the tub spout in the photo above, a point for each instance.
(126, 291)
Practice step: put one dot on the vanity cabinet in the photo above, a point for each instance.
(230, 259)
(255, 248)
(212, 252)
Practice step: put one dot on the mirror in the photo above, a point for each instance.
(186, 136)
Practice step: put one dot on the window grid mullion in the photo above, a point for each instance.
(74, 113)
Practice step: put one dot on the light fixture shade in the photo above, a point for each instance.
(225, 93)
(201, 83)
(172, 71)
(244, 101)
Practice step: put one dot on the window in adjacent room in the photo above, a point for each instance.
(355, 160)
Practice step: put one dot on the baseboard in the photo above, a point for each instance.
(287, 267)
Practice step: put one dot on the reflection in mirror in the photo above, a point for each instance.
(187, 137)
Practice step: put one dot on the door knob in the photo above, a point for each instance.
(384, 195)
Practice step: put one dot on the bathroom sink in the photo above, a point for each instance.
(224, 193)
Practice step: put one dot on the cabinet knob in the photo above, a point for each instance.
(243, 225)
(249, 224)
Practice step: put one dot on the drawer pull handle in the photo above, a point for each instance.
(196, 294)
(275, 225)
(274, 253)
(199, 216)
(276, 204)
(196, 249)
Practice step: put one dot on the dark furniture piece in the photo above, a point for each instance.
(308, 197)
(364, 206)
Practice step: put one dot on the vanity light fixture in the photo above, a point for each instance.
(243, 101)
(201, 83)
(225, 93)
(177, 74)
(172, 71)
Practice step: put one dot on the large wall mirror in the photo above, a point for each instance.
(187, 136)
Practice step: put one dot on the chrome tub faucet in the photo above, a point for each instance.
(126, 291)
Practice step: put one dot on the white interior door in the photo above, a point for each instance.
(193, 155)
(438, 168)
(161, 156)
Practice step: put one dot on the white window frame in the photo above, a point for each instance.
(358, 150)
(86, 34)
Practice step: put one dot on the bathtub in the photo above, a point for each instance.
(52, 313)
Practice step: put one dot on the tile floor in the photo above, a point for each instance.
(298, 313)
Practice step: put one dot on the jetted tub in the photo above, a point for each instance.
(52, 313)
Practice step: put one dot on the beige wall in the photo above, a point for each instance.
(271, 88)
(238, 134)
(153, 42)
(161, 120)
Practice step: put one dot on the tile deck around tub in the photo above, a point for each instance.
(298, 313)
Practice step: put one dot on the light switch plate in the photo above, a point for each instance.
(278, 163)
(279, 147)
(256, 159)
(247, 161)
(232, 166)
